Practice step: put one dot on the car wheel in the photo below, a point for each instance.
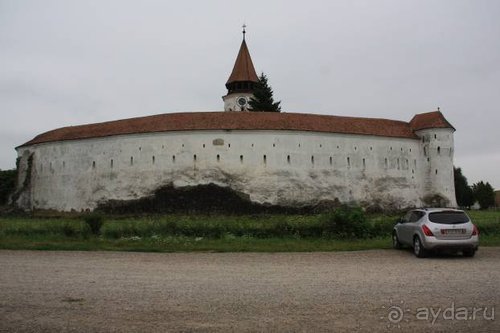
(469, 252)
(418, 248)
(395, 241)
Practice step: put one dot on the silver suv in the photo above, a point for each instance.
(432, 229)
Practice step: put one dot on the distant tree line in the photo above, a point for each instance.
(467, 195)
(7, 184)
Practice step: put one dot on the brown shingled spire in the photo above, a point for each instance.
(243, 70)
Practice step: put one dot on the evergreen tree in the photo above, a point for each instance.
(262, 100)
(484, 194)
(463, 192)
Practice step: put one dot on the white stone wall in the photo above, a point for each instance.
(275, 167)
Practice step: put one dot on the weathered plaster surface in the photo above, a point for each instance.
(299, 168)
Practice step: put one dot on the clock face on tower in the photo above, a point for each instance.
(242, 101)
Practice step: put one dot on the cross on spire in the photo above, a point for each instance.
(244, 31)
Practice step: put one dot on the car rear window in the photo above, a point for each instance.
(449, 217)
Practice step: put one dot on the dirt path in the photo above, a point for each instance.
(342, 291)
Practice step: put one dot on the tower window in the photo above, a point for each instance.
(194, 157)
(288, 159)
(173, 158)
(264, 158)
(436, 171)
(398, 164)
(241, 158)
(364, 163)
(312, 159)
(153, 159)
(218, 158)
(386, 164)
(331, 160)
(439, 150)
(131, 160)
(348, 162)
(93, 165)
(111, 164)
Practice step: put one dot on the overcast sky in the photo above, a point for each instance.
(74, 62)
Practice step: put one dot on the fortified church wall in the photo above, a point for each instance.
(277, 164)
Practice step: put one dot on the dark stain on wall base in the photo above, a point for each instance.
(204, 199)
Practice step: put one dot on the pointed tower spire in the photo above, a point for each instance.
(242, 80)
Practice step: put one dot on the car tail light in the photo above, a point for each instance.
(427, 231)
(475, 230)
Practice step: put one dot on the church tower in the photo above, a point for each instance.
(241, 82)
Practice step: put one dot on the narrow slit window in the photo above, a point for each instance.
(131, 160)
(111, 164)
(331, 160)
(93, 165)
(398, 164)
(274, 145)
(241, 158)
(364, 163)
(194, 157)
(288, 159)
(173, 158)
(436, 171)
(348, 162)
(386, 164)
(153, 159)
(264, 158)
(312, 159)
(439, 150)
(218, 158)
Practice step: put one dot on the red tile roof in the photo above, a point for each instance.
(243, 69)
(434, 119)
(232, 121)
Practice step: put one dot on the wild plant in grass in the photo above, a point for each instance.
(94, 222)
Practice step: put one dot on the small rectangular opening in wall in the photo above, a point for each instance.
(364, 163)
(386, 164)
(274, 145)
(203, 145)
(436, 171)
(312, 159)
(398, 164)
(131, 160)
(93, 164)
(241, 158)
(288, 159)
(228, 145)
(331, 160)
(218, 158)
(64, 164)
(439, 150)
(153, 160)
(348, 162)
(111, 163)
(173, 158)
(264, 159)
(194, 157)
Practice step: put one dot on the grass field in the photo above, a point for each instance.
(172, 233)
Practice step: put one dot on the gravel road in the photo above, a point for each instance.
(211, 292)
